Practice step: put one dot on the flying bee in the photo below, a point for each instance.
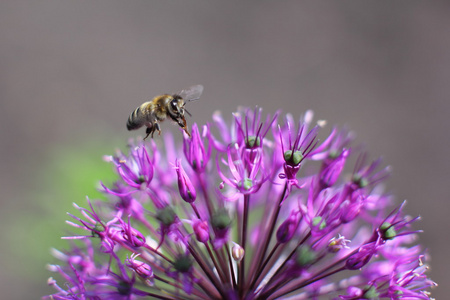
(164, 106)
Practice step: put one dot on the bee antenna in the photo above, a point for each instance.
(190, 100)
(188, 112)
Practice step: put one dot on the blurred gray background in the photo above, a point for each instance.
(72, 71)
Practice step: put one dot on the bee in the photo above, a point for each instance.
(152, 112)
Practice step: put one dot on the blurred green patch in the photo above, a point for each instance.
(67, 175)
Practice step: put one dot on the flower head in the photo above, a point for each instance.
(259, 211)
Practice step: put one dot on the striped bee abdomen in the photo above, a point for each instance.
(135, 120)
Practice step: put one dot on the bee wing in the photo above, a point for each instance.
(192, 93)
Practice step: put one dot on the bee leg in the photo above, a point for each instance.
(149, 131)
(156, 127)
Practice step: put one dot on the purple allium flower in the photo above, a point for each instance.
(259, 211)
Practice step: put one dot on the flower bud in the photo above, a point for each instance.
(361, 258)
(220, 220)
(252, 141)
(195, 151)
(247, 184)
(166, 216)
(142, 269)
(334, 166)
(98, 228)
(237, 252)
(319, 223)
(360, 181)
(288, 228)
(183, 263)
(185, 186)
(124, 288)
(201, 230)
(387, 231)
(306, 256)
(293, 158)
(370, 292)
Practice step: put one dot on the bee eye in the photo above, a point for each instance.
(173, 105)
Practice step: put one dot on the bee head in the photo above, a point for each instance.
(176, 107)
